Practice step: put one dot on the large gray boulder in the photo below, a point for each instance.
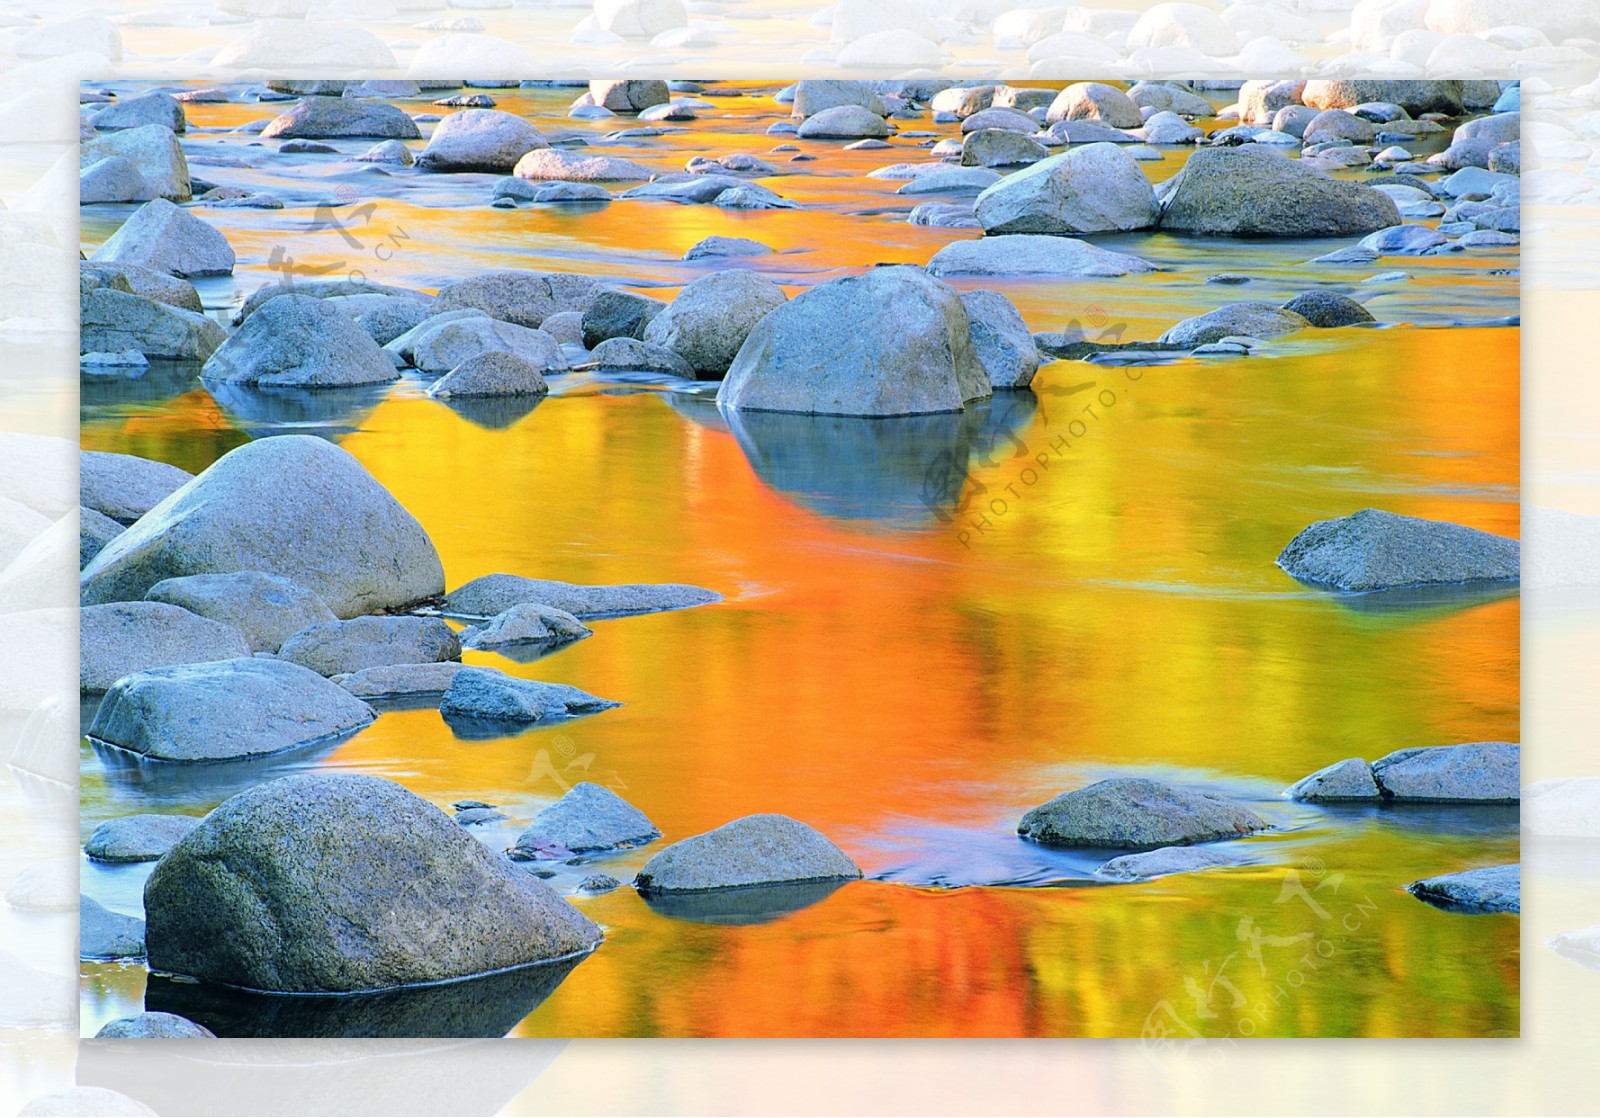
(266, 609)
(491, 595)
(137, 838)
(1492, 889)
(519, 297)
(1415, 97)
(1000, 147)
(121, 638)
(165, 238)
(484, 694)
(155, 154)
(400, 681)
(340, 647)
(522, 624)
(1032, 254)
(891, 341)
(618, 314)
(1135, 813)
(588, 818)
(154, 107)
(1000, 339)
(125, 486)
(1474, 772)
(111, 320)
(291, 505)
(1376, 550)
(631, 95)
(754, 850)
(153, 1026)
(711, 318)
(1328, 309)
(1095, 101)
(844, 122)
(1350, 779)
(1252, 320)
(494, 373)
(1097, 188)
(296, 341)
(107, 935)
(450, 344)
(224, 711)
(1237, 191)
(329, 883)
(330, 118)
(479, 140)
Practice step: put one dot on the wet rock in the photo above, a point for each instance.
(165, 238)
(736, 163)
(952, 179)
(1000, 339)
(1161, 862)
(1476, 772)
(155, 154)
(821, 353)
(843, 122)
(1255, 320)
(522, 298)
(326, 118)
(395, 681)
(754, 850)
(1350, 779)
(943, 215)
(136, 112)
(1403, 240)
(545, 193)
(112, 179)
(323, 289)
(1375, 550)
(587, 819)
(479, 140)
(1169, 97)
(717, 247)
(1240, 192)
(266, 609)
(1506, 159)
(1169, 128)
(1134, 813)
(291, 505)
(1097, 188)
(341, 647)
(112, 321)
(1328, 309)
(137, 838)
(1473, 180)
(1336, 124)
(121, 638)
(526, 623)
(1415, 97)
(1024, 254)
(391, 152)
(478, 816)
(815, 95)
(485, 695)
(107, 935)
(225, 710)
(710, 319)
(278, 890)
(1006, 120)
(451, 345)
(1350, 254)
(296, 341)
(497, 373)
(542, 164)
(629, 355)
(144, 282)
(94, 532)
(490, 595)
(1492, 889)
(629, 96)
(149, 1026)
(598, 883)
(995, 147)
(618, 314)
(1095, 101)
(1088, 132)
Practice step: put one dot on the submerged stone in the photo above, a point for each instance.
(1161, 862)
(1492, 889)
(490, 595)
(486, 695)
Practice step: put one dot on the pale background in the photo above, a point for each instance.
(1552, 45)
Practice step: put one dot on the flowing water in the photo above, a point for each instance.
(929, 625)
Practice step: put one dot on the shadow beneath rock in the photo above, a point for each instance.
(494, 413)
(1432, 819)
(162, 380)
(324, 411)
(751, 904)
(1418, 601)
(180, 782)
(489, 1006)
(468, 728)
(526, 652)
(900, 472)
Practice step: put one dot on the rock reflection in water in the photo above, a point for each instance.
(902, 472)
(323, 411)
(478, 1007)
(752, 904)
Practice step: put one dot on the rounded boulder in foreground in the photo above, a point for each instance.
(337, 883)
(291, 505)
(1135, 813)
(755, 850)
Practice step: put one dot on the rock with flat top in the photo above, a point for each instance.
(341, 647)
(490, 595)
(1492, 889)
(1376, 550)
